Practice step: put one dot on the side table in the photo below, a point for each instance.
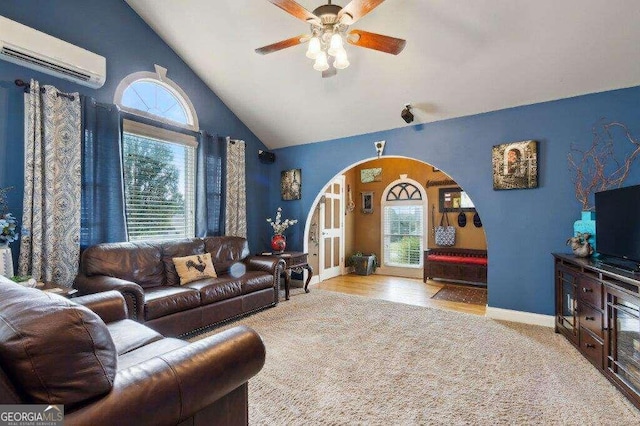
(295, 261)
(67, 292)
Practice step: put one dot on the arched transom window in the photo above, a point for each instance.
(155, 96)
(403, 223)
(159, 160)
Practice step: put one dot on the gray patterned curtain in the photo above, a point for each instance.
(236, 194)
(50, 244)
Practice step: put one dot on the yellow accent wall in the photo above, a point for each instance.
(367, 229)
(363, 231)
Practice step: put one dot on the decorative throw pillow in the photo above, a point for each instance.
(193, 268)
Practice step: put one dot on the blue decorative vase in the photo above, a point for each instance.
(586, 224)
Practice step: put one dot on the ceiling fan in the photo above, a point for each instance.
(329, 25)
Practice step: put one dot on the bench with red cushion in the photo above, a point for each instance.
(456, 264)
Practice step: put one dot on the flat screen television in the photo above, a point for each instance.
(618, 227)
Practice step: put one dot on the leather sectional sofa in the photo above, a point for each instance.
(109, 370)
(145, 274)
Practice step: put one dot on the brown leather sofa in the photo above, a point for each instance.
(145, 275)
(109, 370)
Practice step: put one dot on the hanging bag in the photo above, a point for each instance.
(445, 233)
(462, 218)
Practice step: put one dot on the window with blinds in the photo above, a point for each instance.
(159, 182)
(403, 235)
(403, 225)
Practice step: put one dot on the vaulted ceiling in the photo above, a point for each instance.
(462, 57)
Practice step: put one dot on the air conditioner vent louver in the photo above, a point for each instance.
(43, 63)
(34, 49)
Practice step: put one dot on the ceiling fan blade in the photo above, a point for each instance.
(293, 41)
(356, 9)
(374, 41)
(296, 10)
(331, 71)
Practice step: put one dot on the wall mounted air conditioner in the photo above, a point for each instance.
(31, 48)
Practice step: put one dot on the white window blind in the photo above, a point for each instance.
(403, 234)
(159, 175)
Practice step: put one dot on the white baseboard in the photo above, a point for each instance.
(315, 279)
(520, 316)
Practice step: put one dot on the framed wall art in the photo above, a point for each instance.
(455, 200)
(515, 165)
(367, 202)
(371, 175)
(291, 184)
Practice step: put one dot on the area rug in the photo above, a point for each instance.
(462, 293)
(336, 359)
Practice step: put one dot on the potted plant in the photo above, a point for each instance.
(363, 264)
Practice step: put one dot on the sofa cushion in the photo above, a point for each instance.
(179, 248)
(216, 289)
(146, 352)
(194, 268)
(256, 280)
(137, 262)
(225, 251)
(457, 259)
(54, 351)
(129, 335)
(161, 301)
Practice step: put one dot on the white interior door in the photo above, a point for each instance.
(331, 218)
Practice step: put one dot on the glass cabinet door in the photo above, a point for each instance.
(566, 304)
(624, 343)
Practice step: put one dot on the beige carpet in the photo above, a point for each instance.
(339, 359)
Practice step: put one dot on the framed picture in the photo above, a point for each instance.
(367, 202)
(371, 175)
(291, 184)
(455, 200)
(515, 165)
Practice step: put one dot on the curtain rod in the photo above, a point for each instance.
(26, 86)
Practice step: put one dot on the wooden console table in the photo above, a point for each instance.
(295, 261)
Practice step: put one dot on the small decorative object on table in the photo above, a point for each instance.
(580, 245)
(278, 241)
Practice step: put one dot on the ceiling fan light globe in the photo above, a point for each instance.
(341, 61)
(335, 45)
(314, 48)
(321, 63)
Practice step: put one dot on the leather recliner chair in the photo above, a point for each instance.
(107, 369)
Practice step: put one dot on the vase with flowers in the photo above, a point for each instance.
(8, 234)
(279, 241)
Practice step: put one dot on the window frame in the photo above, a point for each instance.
(160, 78)
(153, 126)
(169, 137)
(423, 202)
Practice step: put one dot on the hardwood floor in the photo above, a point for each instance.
(396, 289)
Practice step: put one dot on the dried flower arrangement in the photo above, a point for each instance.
(597, 168)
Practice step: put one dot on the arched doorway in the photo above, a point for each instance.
(364, 231)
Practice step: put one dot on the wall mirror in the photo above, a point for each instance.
(455, 200)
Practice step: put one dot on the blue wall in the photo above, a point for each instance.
(112, 29)
(523, 227)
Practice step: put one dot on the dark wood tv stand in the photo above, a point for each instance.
(598, 311)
